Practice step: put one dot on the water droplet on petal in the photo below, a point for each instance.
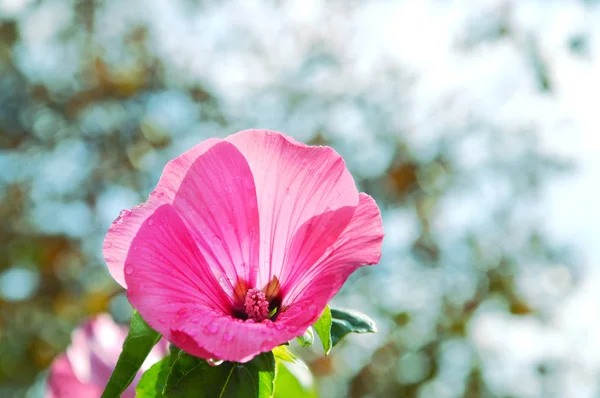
(195, 320)
(279, 325)
(227, 336)
(160, 195)
(214, 362)
(292, 328)
(266, 345)
(192, 332)
(312, 308)
(213, 208)
(124, 213)
(150, 222)
(162, 321)
(269, 324)
(211, 329)
(182, 311)
(129, 269)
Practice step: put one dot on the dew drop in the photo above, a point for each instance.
(214, 362)
(182, 311)
(269, 324)
(211, 329)
(266, 345)
(150, 222)
(292, 328)
(227, 336)
(160, 195)
(279, 325)
(162, 321)
(312, 308)
(213, 208)
(124, 213)
(194, 320)
(129, 269)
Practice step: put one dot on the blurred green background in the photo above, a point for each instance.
(474, 124)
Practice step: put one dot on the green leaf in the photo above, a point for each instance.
(323, 329)
(194, 377)
(294, 380)
(137, 346)
(348, 321)
(307, 339)
(154, 379)
(283, 353)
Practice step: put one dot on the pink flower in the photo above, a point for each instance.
(85, 368)
(243, 243)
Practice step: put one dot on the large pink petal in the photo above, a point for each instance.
(359, 244)
(166, 274)
(175, 291)
(123, 229)
(295, 183)
(217, 202)
(207, 334)
(85, 368)
(63, 383)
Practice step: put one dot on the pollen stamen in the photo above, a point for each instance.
(257, 305)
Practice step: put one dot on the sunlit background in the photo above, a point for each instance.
(474, 124)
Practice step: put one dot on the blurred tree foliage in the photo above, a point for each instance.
(53, 218)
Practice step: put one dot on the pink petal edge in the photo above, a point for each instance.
(217, 202)
(294, 183)
(123, 229)
(174, 290)
(359, 244)
(84, 369)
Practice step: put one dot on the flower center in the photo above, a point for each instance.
(257, 305)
